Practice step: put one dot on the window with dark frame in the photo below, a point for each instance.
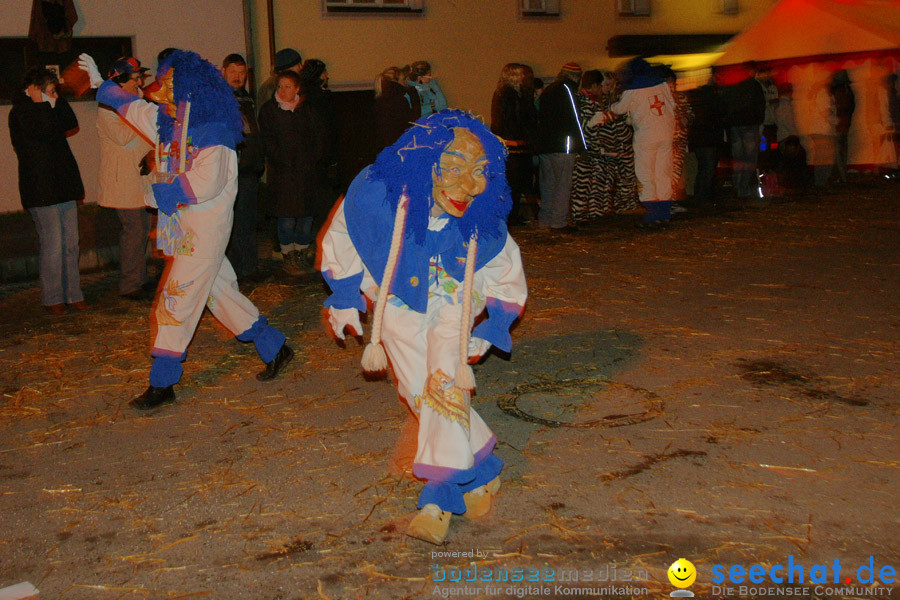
(633, 8)
(374, 7)
(538, 8)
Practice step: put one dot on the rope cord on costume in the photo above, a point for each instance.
(465, 378)
(374, 358)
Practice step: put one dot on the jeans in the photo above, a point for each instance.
(556, 185)
(133, 248)
(57, 229)
(243, 248)
(744, 154)
(293, 230)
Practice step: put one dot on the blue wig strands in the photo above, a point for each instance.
(215, 114)
(411, 160)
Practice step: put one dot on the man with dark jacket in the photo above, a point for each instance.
(49, 184)
(746, 110)
(559, 139)
(704, 138)
(243, 250)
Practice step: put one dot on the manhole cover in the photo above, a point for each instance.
(588, 402)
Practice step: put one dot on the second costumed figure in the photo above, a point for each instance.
(422, 233)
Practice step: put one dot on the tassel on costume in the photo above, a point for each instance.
(374, 358)
(465, 377)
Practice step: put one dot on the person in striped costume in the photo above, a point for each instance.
(603, 181)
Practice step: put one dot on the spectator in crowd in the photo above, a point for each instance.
(287, 59)
(120, 184)
(430, 95)
(395, 108)
(243, 248)
(560, 138)
(785, 117)
(649, 103)
(314, 86)
(889, 121)
(705, 135)
(603, 181)
(844, 101)
(684, 115)
(821, 132)
(769, 130)
(745, 103)
(514, 120)
(49, 184)
(294, 143)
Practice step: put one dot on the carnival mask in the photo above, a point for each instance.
(165, 95)
(460, 175)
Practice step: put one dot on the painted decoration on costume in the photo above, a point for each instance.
(169, 301)
(185, 246)
(446, 399)
(168, 233)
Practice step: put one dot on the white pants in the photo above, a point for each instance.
(424, 348)
(653, 167)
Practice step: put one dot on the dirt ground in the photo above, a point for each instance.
(725, 390)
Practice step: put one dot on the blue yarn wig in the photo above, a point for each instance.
(409, 163)
(214, 110)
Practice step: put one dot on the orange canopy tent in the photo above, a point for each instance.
(796, 31)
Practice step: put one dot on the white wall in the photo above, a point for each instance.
(212, 28)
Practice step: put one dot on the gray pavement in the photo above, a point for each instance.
(725, 390)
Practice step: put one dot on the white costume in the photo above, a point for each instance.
(652, 111)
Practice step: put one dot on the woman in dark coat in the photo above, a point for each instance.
(514, 120)
(49, 184)
(397, 106)
(293, 138)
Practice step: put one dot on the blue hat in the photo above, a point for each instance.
(126, 65)
(287, 58)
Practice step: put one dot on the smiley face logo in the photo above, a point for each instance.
(682, 573)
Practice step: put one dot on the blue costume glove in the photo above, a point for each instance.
(167, 195)
(110, 94)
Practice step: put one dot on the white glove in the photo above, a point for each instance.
(478, 347)
(86, 63)
(339, 318)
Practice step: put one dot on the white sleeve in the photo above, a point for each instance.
(208, 175)
(624, 104)
(142, 115)
(339, 256)
(504, 277)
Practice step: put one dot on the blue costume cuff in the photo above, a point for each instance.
(485, 471)
(495, 328)
(110, 94)
(267, 339)
(166, 369)
(447, 496)
(345, 292)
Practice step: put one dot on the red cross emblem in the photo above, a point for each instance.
(657, 105)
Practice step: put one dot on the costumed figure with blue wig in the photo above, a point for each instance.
(195, 128)
(422, 233)
(649, 103)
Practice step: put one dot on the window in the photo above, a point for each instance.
(538, 8)
(374, 7)
(634, 8)
(726, 7)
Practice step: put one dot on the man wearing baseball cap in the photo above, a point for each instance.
(120, 182)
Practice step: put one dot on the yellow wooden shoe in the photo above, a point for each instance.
(430, 525)
(478, 501)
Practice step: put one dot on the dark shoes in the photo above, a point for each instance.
(153, 397)
(278, 363)
(56, 309)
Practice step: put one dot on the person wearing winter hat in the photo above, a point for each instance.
(560, 139)
(286, 59)
(422, 232)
